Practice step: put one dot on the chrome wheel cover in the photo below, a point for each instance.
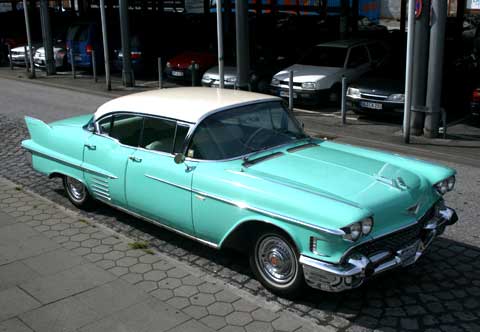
(75, 189)
(276, 260)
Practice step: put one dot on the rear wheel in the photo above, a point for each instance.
(274, 261)
(77, 192)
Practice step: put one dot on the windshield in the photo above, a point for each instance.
(325, 56)
(243, 130)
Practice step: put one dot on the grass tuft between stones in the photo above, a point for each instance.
(138, 245)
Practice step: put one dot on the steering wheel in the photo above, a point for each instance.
(253, 136)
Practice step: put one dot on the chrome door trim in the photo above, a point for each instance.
(167, 182)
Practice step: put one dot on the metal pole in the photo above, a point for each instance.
(160, 74)
(94, 66)
(127, 72)
(25, 58)
(243, 51)
(344, 8)
(106, 56)
(29, 38)
(72, 61)
(10, 56)
(194, 73)
(47, 38)
(344, 100)
(221, 74)
(419, 76)
(435, 62)
(409, 72)
(290, 90)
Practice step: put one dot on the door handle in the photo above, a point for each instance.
(135, 159)
(91, 146)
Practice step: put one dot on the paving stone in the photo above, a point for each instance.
(210, 288)
(232, 328)
(226, 296)
(149, 259)
(177, 273)
(238, 318)
(134, 253)
(114, 255)
(155, 275)
(264, 315)
(286, 323)
(179, 302)
(202, 299)
(132, 278)
(259, 327)
(14, 301)
(215, 322)
(185, 291)
(102, 249)
(127, 261)
(163, 266)
(14, 325)
(195, 311)
(147, 286)
(169, 283)
(243, 305)
(105, 264)
(220, 308)
(191, 280)
(163, 294)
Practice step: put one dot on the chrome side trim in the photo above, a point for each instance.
(104, 191)
(86, 169)
(103, 196)
(245, 206)
(167, 182)
(157, 223)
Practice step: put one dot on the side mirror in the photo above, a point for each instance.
(179, 158)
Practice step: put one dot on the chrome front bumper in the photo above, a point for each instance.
(358, 268)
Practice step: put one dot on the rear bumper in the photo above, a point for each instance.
(358, 268)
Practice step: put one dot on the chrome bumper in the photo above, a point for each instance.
(339, 277)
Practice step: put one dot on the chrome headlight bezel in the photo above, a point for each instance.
(446, 185)
(309, 85)
(356, 230)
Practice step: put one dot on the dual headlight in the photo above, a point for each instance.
(358, 229)
(445, 186)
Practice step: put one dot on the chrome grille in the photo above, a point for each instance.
(373, 97)
(100, 188)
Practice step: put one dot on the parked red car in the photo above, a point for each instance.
(179, 68)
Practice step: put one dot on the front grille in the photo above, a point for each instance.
(287, 83)
(373, 97)
(398, 240)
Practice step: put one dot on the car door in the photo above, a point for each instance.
(106, 155)
(157, 187)
(358, 62)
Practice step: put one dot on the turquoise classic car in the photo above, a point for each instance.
(235, 169)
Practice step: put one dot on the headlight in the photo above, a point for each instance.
(353, 92)
(168, 65)
(354, 231)
(398, 98)
(196, 66)
(275, 82)
(308, 86)
(445, 186)
(206, 78)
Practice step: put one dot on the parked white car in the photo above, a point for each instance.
(18, 55)
(318, 75)
(59, 54)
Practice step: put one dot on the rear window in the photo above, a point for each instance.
(78, 33)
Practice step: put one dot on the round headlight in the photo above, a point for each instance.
(442, 187)
(352, 232)
(451, 183)
(367, 225)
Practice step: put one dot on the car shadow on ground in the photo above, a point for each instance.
(442, 291)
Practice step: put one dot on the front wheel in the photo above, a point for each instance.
(274, 261)
(77, 192)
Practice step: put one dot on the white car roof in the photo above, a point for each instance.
(183, 104)
(346, 43)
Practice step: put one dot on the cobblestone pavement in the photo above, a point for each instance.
(441, 293)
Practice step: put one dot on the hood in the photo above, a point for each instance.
(229, 72)
(303, 73)
(386, 190)
(380, 85)
(183, 60)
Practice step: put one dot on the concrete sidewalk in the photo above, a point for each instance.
(62, 272)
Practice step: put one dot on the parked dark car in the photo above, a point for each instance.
(475, 102)
(82, 39)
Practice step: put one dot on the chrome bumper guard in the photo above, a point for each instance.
(339, 277)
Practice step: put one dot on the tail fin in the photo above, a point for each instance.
(39, 130)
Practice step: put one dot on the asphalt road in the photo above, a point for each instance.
(441, 292)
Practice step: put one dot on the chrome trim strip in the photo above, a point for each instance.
(167, 182)
(101, 195)
(269, 214)
(100, 184)
(86, 169)
(157, 223)
(373, 95)
(100, 189)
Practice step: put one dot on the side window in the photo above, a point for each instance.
(358, 56)
(180, 135)
(126, 128)
(158, 134)
(104, 125)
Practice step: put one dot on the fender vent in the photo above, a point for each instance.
(100, 188)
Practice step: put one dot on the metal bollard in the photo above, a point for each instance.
(444, 122)
(290, 90)
(194, 73)
(72, 61)
(344, 100)
(160, 73)
(10, 56)
(25, 58)
(94, 66)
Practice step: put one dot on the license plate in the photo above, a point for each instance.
(368, 104)
(407, 254)
(287, 94)
(78, 58)
(177, 73)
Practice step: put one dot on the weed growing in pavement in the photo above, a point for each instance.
(149, 251)
(138, 245)
(17, 188)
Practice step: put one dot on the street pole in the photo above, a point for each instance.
(106, 55)
(290, 90)
(29, 38)
(243, 51)
(409, 71)
(435, 65)
(220, 44)
(344, 8)
(127, 72)
(47, 38)
(419, 76)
